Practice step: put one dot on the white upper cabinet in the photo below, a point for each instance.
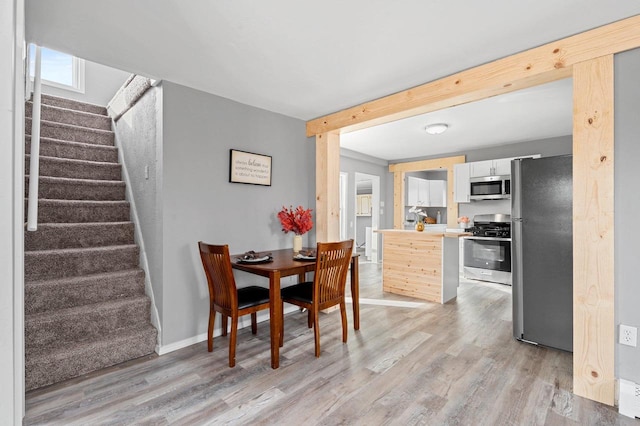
(426, 193)
(437, 193)
(363, 205)
(461, 193)
(417, 191)
(499, 167)
(481, 168)
(502, 167)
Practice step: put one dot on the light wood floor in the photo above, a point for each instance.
(455, 364)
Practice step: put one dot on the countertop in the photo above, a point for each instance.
(425, 233)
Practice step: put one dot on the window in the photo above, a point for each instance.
(59, 69)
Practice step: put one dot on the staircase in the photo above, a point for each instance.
(85, 305)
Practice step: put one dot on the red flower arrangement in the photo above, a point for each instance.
(297, 220)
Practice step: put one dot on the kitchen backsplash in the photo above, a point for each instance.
(484, 207)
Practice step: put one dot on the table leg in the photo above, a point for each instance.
(275, 317)
(355, 292)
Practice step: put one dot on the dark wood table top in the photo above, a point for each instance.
(283, 262)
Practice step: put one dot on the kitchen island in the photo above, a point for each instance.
(423, 265)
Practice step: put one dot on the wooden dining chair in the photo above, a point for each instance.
(327, 288)
(226, 298)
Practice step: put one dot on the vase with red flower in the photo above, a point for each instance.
(297, 220)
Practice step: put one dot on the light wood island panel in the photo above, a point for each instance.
(423, 265)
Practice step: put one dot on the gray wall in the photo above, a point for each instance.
(199, 203)
(139, 136)
(352, 162)
(101, 83)
(627, 207)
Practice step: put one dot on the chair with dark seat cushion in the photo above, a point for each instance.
(327, 288)
(226, 298)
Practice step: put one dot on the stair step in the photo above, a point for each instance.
(58, 263)
(81, 211)
(51, 236)
(76, 169)
(71, 104)
(45, 366)
(59, 188)
(68, 132)
(70, 116)
(62, 293)
(74, 150)
(54, 329)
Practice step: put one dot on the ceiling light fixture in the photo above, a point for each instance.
(436, 129)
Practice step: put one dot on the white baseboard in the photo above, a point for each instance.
(243, 322)
(629, 402)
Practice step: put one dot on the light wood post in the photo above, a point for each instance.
(593, 253)
(398, 200)
(328, 187)
(399, 170)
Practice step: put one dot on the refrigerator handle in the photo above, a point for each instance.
(516, 187)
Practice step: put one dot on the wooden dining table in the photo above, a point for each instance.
(284, 265)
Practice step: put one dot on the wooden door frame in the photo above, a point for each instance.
(587, 58)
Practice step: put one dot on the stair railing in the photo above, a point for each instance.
(34, 165)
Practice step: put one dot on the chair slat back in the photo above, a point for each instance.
(217, 266)
(332, 267)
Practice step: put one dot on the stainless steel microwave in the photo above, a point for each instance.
(490, 188)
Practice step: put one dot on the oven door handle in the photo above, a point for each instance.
(487, 238)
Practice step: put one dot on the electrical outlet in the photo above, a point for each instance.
(628, 335)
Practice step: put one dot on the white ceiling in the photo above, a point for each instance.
(306, 59)
(537, 113)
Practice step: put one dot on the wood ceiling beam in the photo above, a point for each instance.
(550, 62)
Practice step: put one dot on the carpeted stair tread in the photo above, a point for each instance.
(77, 324)
(72, 104)
(70, 116)
(61, 188)
(75, 211)
(62, 293)
(51, 236)
(75, 150)
(44, 367)
(45, 264)
(78, 169)
(68, 132)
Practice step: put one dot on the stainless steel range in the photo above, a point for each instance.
(487, 254)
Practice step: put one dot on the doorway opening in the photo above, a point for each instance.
(367, 215)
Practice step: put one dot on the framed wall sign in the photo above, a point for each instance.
(247, 167)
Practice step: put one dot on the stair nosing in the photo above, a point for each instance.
(75, 111)
(84, 144)
(64, 201)
(45, 96)
(106, 164)
(121, 272)
(48, 281)
(73, 127)
(67, 180)
(68, 224)
(81, 250)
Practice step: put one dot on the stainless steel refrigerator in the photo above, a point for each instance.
(542, 250)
